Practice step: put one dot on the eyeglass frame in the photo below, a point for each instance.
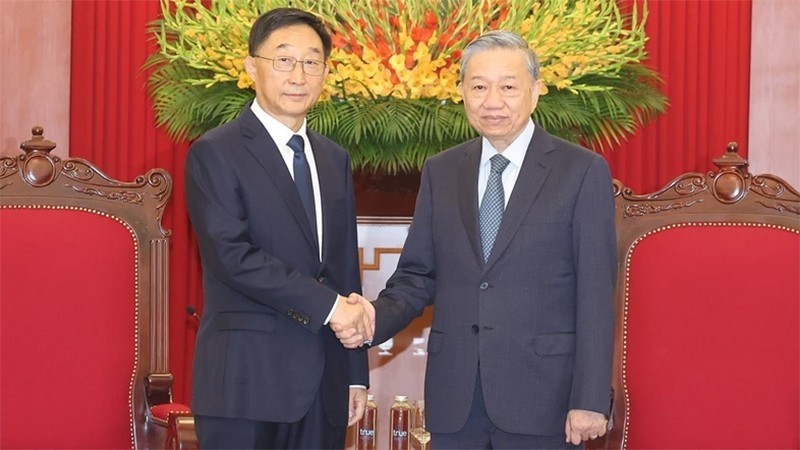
(294, 64)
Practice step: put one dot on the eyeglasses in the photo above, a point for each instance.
(287, 64)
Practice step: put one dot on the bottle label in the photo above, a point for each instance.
(399, 429)
(366, 430)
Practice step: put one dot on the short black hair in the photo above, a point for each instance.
(278, 18)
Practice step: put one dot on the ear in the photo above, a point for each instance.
(535, 92)
(250, 67)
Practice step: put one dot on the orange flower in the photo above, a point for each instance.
(423, 33)
(339, 41)
(419, 34)
(410, 58)
(447, 35)
(383, 51)
(500, 17)
(431, 20)
(354, 46)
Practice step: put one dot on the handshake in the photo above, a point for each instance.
(353, 321)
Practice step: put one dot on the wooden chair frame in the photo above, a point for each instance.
(729, 196)
(38, 179)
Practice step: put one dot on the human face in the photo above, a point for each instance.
(287, 96)
(499, 94)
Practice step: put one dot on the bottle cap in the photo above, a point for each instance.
(370, 397)
(401, 398)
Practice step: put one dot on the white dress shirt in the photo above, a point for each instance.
(281, 134)
(515, 153)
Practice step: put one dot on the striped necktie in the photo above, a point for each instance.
(493, 205)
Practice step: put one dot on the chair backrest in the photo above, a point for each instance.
(83, 303)
(708, 313)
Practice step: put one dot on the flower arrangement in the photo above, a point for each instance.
(392, 97)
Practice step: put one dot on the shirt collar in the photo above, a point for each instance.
(514, 152)
(279, 132)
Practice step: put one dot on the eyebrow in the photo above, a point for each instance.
(284, 46)
(503, 78)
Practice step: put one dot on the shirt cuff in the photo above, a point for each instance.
(359, 386)
(330, 314)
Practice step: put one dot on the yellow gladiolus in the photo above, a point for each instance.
(572, 39)
(244, 82)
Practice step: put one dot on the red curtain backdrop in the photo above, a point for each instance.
(702, 51)
(701, 48)
(112, 124)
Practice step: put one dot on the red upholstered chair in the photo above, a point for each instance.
(708, 332)
(83, 305)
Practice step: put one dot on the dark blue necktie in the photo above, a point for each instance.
(302, 179)
(493, 204)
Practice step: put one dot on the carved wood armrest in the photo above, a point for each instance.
(180, 432)
(158, 388)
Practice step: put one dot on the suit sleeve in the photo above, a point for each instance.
(357, 358)
(595, 260)
(411, 287)
(220, 221)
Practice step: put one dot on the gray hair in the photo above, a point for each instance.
(500, 39)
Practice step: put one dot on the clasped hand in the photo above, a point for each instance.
(353, 321)
(583, 425)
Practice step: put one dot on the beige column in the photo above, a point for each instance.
(34, 71)
(774, 141)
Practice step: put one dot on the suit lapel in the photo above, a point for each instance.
(259, 143)
(532, 175)
(325, 170)
(468, 194)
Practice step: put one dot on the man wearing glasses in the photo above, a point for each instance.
(272, 205)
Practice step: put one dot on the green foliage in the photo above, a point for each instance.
(596, 93)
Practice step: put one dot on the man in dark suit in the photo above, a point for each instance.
(521, 344)
(272, 205)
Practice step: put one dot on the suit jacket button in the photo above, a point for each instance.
(321, 279)
(484, 286)
(475, 329)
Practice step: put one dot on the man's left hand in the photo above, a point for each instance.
(358, 402)
(583, 425)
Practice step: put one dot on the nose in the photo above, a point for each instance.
(493, 98)
(297, 75)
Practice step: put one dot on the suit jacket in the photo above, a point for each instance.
(538, 316)
(262, 351)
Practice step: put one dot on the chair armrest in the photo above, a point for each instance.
(180, 432)
(158, 388)
(177, 418)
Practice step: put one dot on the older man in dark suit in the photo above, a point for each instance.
(520, 348)
(272, 205)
